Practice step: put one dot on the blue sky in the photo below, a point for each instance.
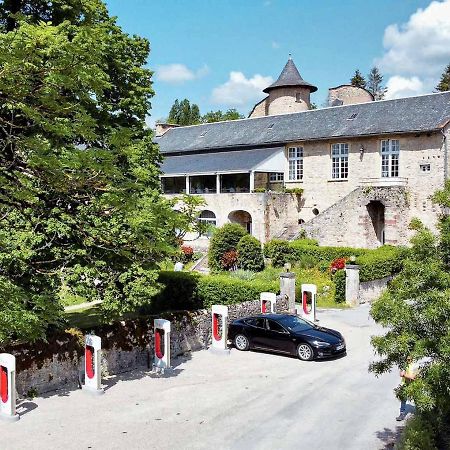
(220, 54)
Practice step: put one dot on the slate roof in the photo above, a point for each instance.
(241, 160)
(405, 115)
(290, 76)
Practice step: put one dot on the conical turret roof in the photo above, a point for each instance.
(290, 76)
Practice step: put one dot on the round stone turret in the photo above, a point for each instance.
(290, 93)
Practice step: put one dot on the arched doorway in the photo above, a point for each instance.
(242, 218)
(376, 213)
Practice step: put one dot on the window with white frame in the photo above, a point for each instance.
(339, 161)
(295, 158)
(276, 176)
(390, 151)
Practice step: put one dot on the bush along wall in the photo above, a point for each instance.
(381, 262)
(249, 254)
(339, 281)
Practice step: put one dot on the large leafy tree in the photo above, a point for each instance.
(444, 83)
(416, 312)
(80, 209)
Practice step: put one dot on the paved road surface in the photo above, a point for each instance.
(247, 400)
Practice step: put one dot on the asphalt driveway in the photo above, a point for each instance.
(247, 400)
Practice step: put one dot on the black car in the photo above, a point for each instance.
(286, 333)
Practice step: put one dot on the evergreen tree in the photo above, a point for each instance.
(184, 113)
(375, 84)
(358, 80)
(444, 83)
(80, 209)
(218, 116)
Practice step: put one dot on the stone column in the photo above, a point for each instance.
(352, 284)
(218, 183)
(252, 181)
(188, 191)
(287, 289)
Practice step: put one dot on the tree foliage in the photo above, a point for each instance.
(218, 116)
(444, 83)
(416, 312)
(80, 208)
(184, 113)
(358, 80)
(375, 84)
(225, 239)
(249, 253)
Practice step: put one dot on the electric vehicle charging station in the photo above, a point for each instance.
(268, 301)
(8, 388)
(308, 305)
(92, 364)
(219, 328)
(161, 341)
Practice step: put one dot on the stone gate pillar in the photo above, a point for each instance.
(287, 289)
(352, 284)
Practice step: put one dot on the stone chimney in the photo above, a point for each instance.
(162, 128)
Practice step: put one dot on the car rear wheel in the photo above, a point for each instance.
(305, 352)
(241, 342)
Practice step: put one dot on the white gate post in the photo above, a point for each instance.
(92, 364)
(161, 341)
(309, 295)
(219, 331)
(8, 387)
(268, 301)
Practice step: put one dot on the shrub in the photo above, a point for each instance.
(178, 291)
(337, 264)
(306, 241)
(188, 253)
(323, 254)
(224, 239)
(306, 262)
(339, 281)
(381, 262)
(249, 254)
(419, 434)
(225, 290)
(229, 260)
(278, 251)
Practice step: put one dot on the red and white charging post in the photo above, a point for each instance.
(92, 364)
(308, 306)
(219, 333)
(268, 301)
(8, 387)
(162, 344)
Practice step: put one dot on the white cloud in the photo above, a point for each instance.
(179, 73)
(275, 44)
(399, 86)
(239, 90)
(417, 51)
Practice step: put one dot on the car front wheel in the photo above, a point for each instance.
(241, 342)
(305, 352)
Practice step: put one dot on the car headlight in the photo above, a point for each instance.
(320, 344)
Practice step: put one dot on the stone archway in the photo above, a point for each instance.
(243, 218)
(376, 210)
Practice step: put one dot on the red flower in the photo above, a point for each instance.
(337, 264)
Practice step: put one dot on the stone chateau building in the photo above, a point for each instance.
(365, 167)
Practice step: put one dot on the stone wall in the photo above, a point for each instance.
(127, 346)
(371, 290)
(288, 100)
(348, 95)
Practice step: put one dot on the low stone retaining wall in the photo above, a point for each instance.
(127, 345)
(371, 290)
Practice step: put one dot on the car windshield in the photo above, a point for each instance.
(294, 323)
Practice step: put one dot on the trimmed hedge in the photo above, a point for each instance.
(339, 281)
(189, 291)
(225, 290)
(381, 262)
(374, 264)
(250, 256)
